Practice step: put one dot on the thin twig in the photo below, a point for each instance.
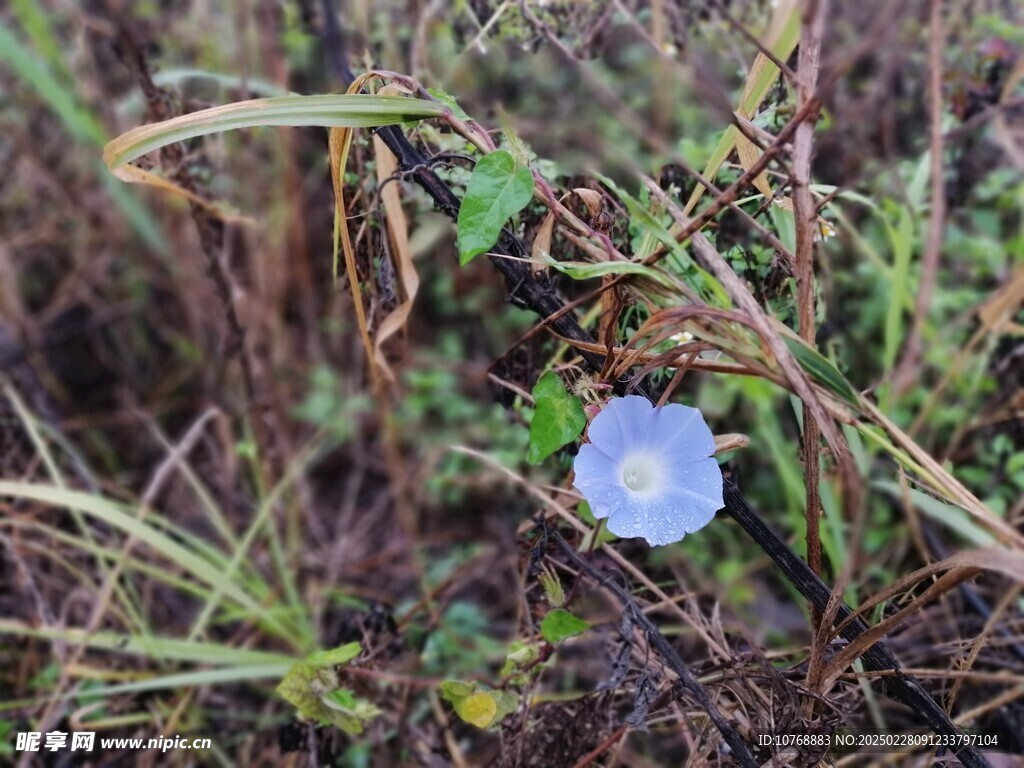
(805, 215)
(211, 232)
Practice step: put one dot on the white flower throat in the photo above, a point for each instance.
(640, 473)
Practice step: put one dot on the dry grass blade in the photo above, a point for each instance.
(958, 567)
(339, 143)
(966, 662)
(949, 485)
(401, 253)
(712, 260)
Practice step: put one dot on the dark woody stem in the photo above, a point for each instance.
(877, 658)
(664, 649)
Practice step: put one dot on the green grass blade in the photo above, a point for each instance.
(78, 121)
(156, 648)
(326, 110)
(190, 679)
(36, 23)
(302, 635)
(110, 513)
(952, 517)
(821, 370)
(901, 237)
(193, 679)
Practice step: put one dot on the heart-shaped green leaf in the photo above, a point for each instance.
(557, 419)
(497, 190)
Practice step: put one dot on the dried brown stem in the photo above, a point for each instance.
(805, 215)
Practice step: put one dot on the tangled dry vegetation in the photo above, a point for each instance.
(231, 439)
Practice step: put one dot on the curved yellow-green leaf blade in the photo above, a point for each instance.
(326, 110)
(585, 270)
(783, 35)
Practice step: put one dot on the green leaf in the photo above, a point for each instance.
(557, 419)
(507, 701)
(303, 687)
(785, 225)
(449, 101)
(901, 236)
(497, 191)
(341, 655)
(476, 704)
(559, 624)
(520, 654)
(453, 690)
(822, 370)
(552, 586)
(585, 270)
(340, 699)
(313, 687)
(348, 711)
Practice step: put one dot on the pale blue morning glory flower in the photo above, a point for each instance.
(649, 470)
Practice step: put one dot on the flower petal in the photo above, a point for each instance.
(597, 478)
(701, 481)
(680, 433)
(662, 519)
(629, 520)
(622, 425)
(606, 500)
(656, 519)
(593, 466)
(682, 514)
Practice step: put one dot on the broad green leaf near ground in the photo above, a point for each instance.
(559, 625)
(497, 190)
(558, 418)
(313, 687)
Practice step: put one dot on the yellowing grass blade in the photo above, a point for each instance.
(339, 143)
(783, 35)
(329, 111)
